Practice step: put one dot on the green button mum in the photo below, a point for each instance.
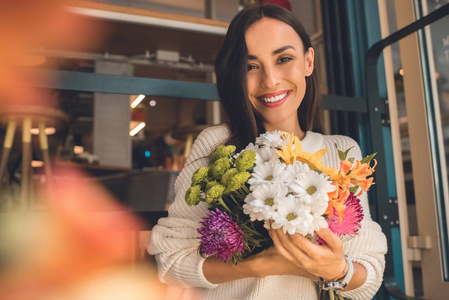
(236, 181)
(215, 192)
(245, 161)
(229, 173)
(200, 175)
(219, 168)
(221, 152)
(193, 195)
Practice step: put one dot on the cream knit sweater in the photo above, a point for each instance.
(174, 240)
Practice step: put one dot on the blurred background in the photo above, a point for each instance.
(101, 100)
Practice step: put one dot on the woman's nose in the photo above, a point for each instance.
(270, 78)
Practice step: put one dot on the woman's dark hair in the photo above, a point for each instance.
(231, 69)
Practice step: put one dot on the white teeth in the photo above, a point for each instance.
(273, 99)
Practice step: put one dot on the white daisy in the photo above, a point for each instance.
(267, 154)
(312, 187)
(272, 170)
(293, 217)
(297, 168)
(262, 202)
(251, 146)
(272, 139)
(317, 223)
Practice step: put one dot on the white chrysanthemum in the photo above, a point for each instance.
(251, 146)
(270, 171)
(272, 139)
(262, 202)
(312, 188)
(263, 154)
(296, 169)
(318, 223)
(293, 217)
(266, 154)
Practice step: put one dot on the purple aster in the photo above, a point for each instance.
(220, 236)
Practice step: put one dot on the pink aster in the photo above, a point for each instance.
(220, 236)
(353, 216)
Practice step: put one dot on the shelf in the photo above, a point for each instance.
(141, 16)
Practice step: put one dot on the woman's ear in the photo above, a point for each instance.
(309, 61)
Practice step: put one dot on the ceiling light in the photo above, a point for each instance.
(137, 129)
(137, 101)
(37, 163)
(78, 149)
(153, 103)
(48, 131)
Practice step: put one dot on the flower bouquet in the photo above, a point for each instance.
(274, 183)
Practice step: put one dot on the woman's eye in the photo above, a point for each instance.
(284, 59)
(251, 67)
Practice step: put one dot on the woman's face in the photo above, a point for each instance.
(277, 68)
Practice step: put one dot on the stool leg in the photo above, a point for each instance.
(43, 141)
(26, 164)
(188, 146)
(7, 145)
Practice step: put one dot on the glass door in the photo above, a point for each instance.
(425, 77)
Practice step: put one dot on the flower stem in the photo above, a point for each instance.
(253, 231)
(224, 205)
(245, 189)
(235, 201)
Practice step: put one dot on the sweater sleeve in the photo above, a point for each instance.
(174, 240)
(369, 246)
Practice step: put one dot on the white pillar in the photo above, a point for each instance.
(112, 115)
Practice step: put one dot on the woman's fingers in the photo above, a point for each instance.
(287, 248)
(332, 241)
(279, 246)
(325, 261)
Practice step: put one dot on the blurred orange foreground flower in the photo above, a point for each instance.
(74, 248)
(27, 26)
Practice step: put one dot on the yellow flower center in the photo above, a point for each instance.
(311, 190)
(269, 201)
(291, 216)
(268, 178)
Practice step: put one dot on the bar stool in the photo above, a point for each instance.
(188, 133)
(25, 116)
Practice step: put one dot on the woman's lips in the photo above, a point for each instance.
(276, 99)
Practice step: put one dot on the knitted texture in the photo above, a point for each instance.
(174, 240)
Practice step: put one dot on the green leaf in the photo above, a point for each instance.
(368, 158)
(343, 154)
(353, 189)
(351, 160)
(347, 151)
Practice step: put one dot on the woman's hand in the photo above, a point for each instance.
(265, 263)
(326, 261)
(271, 262)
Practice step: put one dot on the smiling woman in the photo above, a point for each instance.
(266, 82)
(273, 65)
(277, 73)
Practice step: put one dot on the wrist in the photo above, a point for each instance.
(339, 283)
(340, 270)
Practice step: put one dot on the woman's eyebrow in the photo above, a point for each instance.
(277, 51)
(282, 49)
